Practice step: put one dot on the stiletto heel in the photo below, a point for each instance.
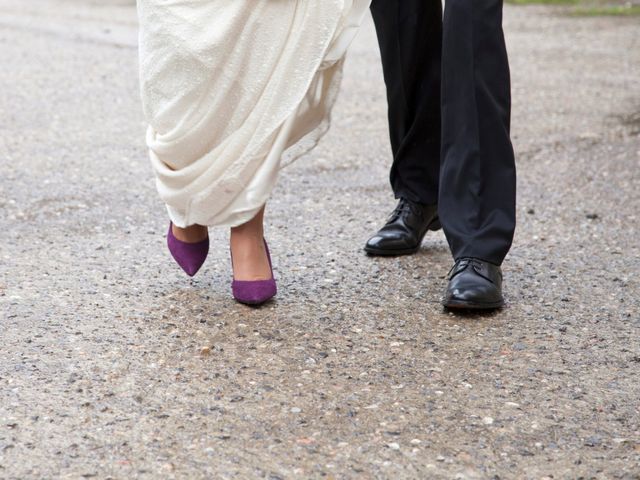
(255, 292)
(190, 256)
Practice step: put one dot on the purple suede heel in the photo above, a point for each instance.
(255, 292)
(190, 256)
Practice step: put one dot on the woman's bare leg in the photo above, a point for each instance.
(250, 260)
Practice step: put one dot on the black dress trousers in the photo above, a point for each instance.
(449, 96)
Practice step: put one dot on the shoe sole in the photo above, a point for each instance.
(377, 252)
(460, 305)
(253, 304)
(374, 252)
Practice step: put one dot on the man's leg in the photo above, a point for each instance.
(478, 175)
(410, 37)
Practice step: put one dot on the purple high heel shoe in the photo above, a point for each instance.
(190, 256)
(255, 292)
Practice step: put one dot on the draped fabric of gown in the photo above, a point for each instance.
(227, 87)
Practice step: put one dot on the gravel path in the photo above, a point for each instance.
(114, 365)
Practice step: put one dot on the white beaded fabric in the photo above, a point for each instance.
(228, 86)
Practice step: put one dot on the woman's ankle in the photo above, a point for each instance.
(191, 234)
(249, 257)
(248, 250)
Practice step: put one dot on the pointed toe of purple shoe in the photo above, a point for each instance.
(192, 265)
(254, 292)
(190, 256)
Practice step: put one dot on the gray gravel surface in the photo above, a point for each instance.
(114, 365)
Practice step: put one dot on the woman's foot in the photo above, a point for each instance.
(188, 246)
(248, 252)
(191, 234)
(253, 281)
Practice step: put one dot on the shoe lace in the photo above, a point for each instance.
(464, 263)
(404, 206)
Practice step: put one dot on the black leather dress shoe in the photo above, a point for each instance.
(405, 229)
(474, 284)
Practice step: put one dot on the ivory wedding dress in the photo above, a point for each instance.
(227, 87)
